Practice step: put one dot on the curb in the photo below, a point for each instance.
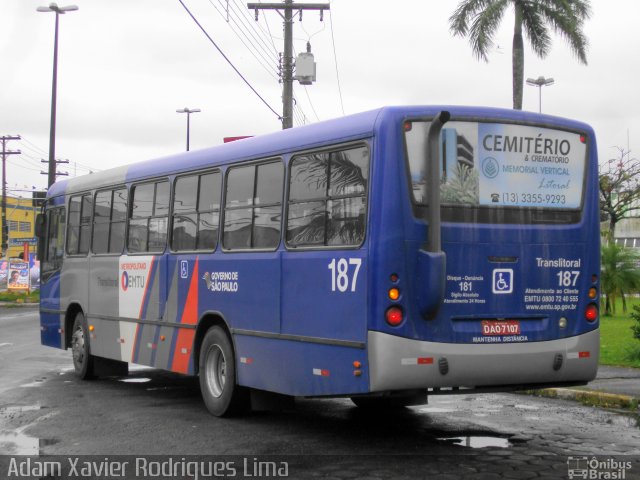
(23, 304)
(590, 397)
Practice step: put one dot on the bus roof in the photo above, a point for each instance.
(343, 129)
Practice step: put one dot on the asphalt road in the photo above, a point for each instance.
(45, 410)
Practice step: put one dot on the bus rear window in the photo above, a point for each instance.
(488, 165)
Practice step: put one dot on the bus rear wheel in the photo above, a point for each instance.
(220, 391)
(80, 349)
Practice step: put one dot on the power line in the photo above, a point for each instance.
(298, 114)
(275, 49)
(269, 64)
(311, 103)
(30, 158)
(229, 61)
(32, 150)
(42, 150)
(333, 42)
(247, 21)
(18, 165)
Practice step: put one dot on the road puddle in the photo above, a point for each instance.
(17, 443)
(135, 380)
(436, 410)
(625, 419)
(472, 441)
(19, 409)
(37, 383)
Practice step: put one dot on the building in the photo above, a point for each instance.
(21, 215)
(628, 228)
(455, 149)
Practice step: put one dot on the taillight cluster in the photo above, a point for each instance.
(591, 312)
(394, 314)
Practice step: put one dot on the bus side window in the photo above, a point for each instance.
(196, 212)
(79, 227)
(109, 221)
(328, 198)
(148, 217)
(253, 207)
(54, 248)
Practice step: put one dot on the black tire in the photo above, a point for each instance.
(217, 371)
(81, 349)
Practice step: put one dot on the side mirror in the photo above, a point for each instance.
(41, 233)
(39, 226)
(433, 241)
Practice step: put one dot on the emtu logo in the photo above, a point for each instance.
(125, 280)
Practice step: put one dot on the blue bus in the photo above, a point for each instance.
(384, 256)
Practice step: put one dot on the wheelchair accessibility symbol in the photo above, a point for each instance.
(503, 280)
(184, 269)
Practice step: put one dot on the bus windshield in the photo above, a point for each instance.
(501, 165)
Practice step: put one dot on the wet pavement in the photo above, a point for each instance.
(45, 410)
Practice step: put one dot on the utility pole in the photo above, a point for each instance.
(54, 88)
(56, 173)
(5, 154)
(287, 61)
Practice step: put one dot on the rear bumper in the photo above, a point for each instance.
(398, 363)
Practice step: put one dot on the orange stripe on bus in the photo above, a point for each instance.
(184, 342)
(190, 312)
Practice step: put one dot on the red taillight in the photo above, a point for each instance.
(394, 316)
(591, 313)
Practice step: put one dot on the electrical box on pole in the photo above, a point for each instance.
(305, 68)
(308, 73)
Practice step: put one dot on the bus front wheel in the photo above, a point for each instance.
(220, 392)
(80, 349)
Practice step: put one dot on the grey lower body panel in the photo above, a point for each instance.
(398, 363)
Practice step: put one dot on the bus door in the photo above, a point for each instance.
(324, 267)
(51, 256)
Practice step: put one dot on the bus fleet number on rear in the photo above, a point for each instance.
(340, 271)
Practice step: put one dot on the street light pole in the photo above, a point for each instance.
(540, 82)
(54, 87)
(188, 111)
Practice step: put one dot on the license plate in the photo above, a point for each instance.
(500, 327)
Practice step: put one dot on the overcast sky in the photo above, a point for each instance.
(125, 66)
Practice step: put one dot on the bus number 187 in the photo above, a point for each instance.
(340, 274)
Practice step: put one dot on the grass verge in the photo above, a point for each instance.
(19, 297)
(618, 347)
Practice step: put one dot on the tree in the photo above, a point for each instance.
(620, 274)
(619, 181)
(635, 328)
(462, 187)
(479, 20)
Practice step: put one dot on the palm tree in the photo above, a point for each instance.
(620, 274)
(479, 20)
